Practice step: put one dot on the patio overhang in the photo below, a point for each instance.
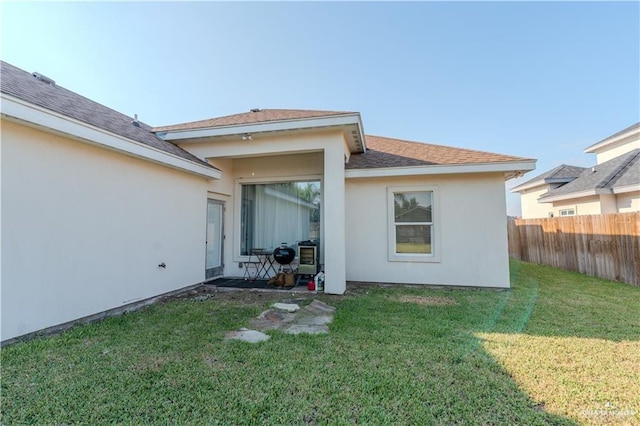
(350, 124)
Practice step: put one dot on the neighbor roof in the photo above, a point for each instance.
(634, 128)
(24, 86)
(603, 178)
(387, 153)
(561, 174)
(252, 117)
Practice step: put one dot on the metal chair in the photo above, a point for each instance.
(253, 263)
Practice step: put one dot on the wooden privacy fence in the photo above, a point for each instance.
(606, 246)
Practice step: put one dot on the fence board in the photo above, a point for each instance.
(606, 246)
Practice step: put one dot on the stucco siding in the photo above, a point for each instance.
(84, 229)
(628, 202)
(582, 205)
(471, 217)
(531, 207)
(625, 145)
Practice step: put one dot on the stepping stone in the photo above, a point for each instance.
(313, 320)
(308, 329)
(272, 319)
(287, 307)
(319, 308)
(246, 335)
(289, 318)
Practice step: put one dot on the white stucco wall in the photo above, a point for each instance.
(582, 205)
(608, 204)
(84, 229)
(628, 202)
(617, 149)
(472, 224)
(531, 208)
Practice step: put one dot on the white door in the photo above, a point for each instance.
(215, 239)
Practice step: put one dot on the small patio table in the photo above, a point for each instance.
(265, 267)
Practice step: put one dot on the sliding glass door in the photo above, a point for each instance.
(279, 212)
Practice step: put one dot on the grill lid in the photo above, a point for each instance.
(284, 255)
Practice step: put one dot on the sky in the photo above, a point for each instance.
(540, 80)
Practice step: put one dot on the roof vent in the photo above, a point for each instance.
(135, 121)
(44, 78)
(255, 110)
(593, 169)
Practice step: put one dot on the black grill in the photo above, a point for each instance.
(284, 255)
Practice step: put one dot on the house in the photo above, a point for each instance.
(611, 186)
(101, 211)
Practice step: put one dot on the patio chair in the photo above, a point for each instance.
(252, 265)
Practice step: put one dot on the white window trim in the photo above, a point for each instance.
(237, 203)
(436, 246)
(575, 211)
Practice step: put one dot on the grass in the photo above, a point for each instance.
(559, 348)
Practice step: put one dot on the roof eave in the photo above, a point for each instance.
(633, 130)
(529, 185)
(572, 195)
(541, 182)
(626, 188)
(510, 169)
(356, 145)
(16, 109)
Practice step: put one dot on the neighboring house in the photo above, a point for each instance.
(531, 190)
(101, 211)
(611, 186)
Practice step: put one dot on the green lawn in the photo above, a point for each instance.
(558, 348)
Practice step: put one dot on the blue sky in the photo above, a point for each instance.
(536, 79)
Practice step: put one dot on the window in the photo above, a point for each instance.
(278, 212)
(568, 212)
(412, 229)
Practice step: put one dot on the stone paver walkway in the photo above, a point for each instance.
(289, 318)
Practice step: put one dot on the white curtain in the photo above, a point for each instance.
(278, 216)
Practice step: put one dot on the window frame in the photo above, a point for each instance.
(435, 255)
(561, 212)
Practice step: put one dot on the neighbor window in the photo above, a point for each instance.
(568, 212)
(412, 227)
(279, 212)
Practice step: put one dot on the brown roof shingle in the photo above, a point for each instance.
(23, 85)
(251, 117)
(387, 152)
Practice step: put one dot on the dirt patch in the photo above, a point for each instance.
(154, 364)
(428, 300)
(245, 297)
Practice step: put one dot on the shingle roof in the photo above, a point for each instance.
(387, 152)
(251, 117)
(620, 171)
(561, 173)
(24, 86)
